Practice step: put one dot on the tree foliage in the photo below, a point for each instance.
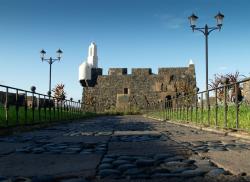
(59, 92)
(234, 90)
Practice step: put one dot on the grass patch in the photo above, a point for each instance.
(200, 116)
(128, 111)
(55, 114)
(42, 116)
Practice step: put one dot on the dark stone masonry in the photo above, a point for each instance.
(141, 89)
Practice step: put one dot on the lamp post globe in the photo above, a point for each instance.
(193, 18)
(42, 52)
(59, 53)
(219, 19)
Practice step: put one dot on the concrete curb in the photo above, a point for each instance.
(242, 135)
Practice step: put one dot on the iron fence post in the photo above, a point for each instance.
(7, 107)
(162, 113)
(64, 110)
(181, 111)
(49, 108)
(70, 113)
(74, 110)
(164, 110)
(225, 106)
(216, 107)
(45, 108)
(202, 107)
(196, 107)
(58, 114)
(39, 107)
(33, 108)
(61, 105)
(17, 107)
(172, 108)
(78, 110)
(54, 109)
(26, 107)
(187, 107)
(168, 110)
(178, 108)
(237, 104)
(174, 105)
(68, 110)
(191, 104)
(208, 108)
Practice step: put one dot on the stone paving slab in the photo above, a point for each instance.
(238, 162)
(196, 136)
(47, 164)
(6, 148)
(76, 139)
(136, 133)
(145, 148)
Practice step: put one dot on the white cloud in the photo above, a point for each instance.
(223, 68)
(171, 21)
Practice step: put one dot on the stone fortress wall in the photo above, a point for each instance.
(140, 89)
(122, 91)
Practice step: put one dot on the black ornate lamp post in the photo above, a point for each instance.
(51, 61)
(206, 31)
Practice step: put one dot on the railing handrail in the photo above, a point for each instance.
(21, 107)
(226, 85)
(28, 91)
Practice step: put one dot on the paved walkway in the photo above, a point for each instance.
(122, 148)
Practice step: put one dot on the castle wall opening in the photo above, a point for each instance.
(125, 91)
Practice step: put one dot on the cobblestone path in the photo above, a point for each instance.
(122, 148)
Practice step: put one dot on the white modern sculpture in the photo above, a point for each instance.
(91, 62)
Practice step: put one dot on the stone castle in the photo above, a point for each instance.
(141, 89)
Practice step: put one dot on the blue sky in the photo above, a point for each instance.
(128, 33)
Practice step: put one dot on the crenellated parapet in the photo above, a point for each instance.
(141, 71)
(117, 71)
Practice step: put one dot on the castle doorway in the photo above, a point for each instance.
(168, 102)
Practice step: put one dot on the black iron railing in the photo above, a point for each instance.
(22, 107)
(228, 106)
